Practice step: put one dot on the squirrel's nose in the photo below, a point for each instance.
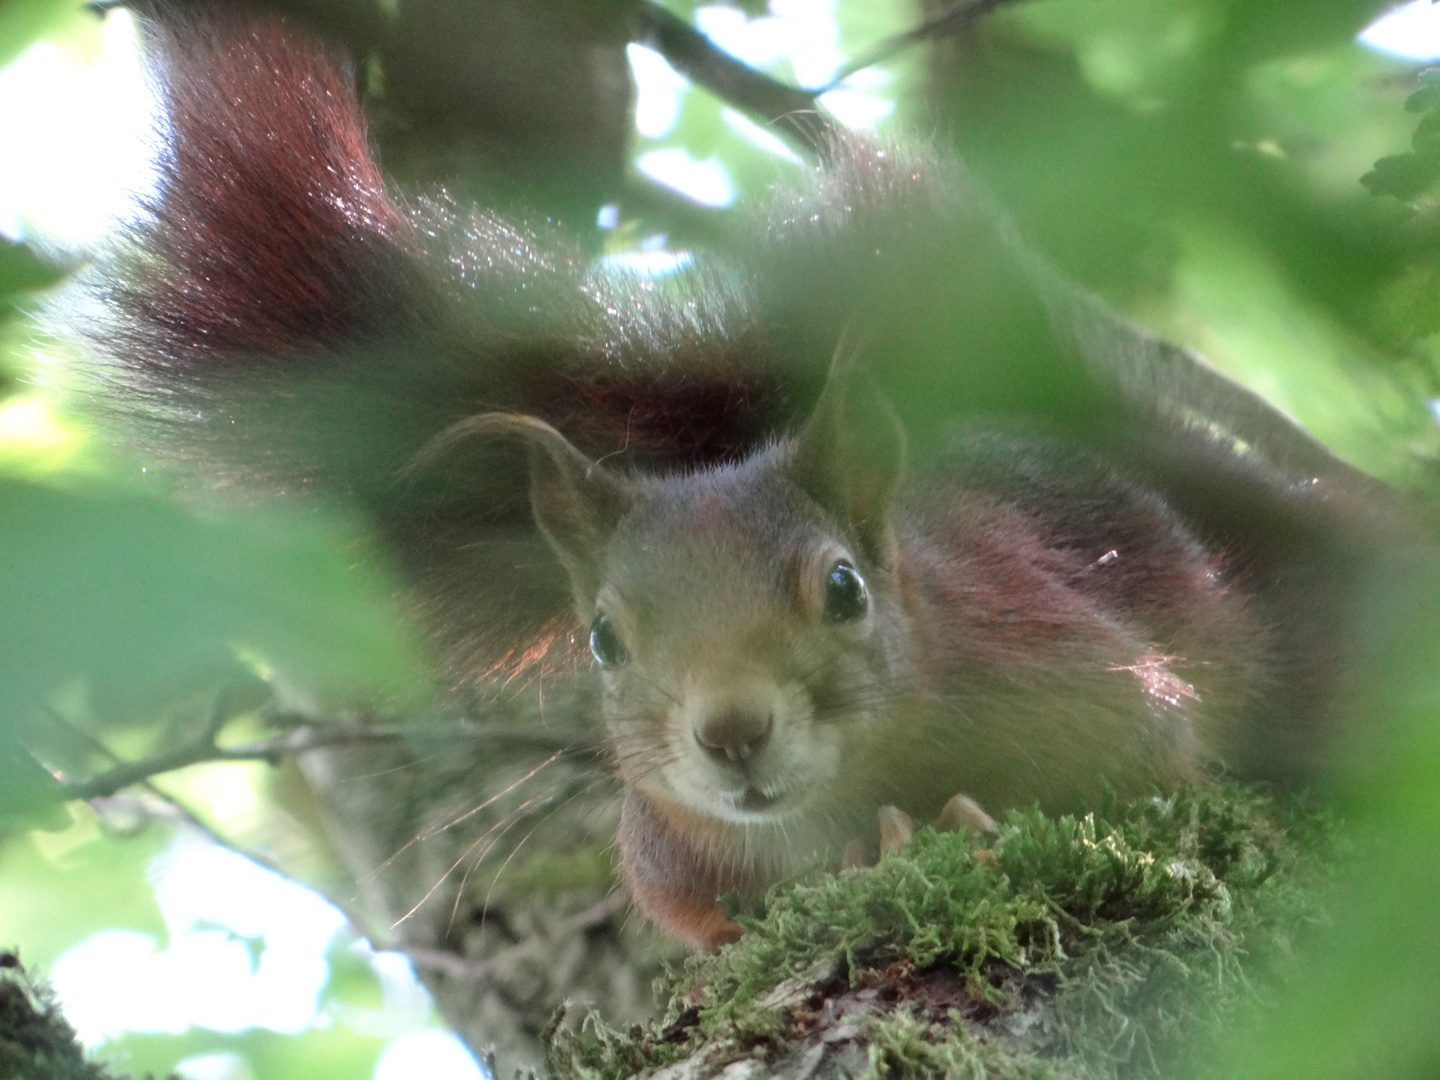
(734, 735)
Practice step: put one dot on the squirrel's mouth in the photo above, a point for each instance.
(754, 800)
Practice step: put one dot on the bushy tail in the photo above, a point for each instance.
(274, 228)
(279, 322)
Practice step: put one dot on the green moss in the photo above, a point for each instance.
(904, 1045)
(1088, 947)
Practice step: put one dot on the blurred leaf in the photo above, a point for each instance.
(1406, 176)
(1410, 305)
(22, 21)
(1321, 118)
(30, 797)
(336, 1053)
(1402, 175)
(1367, 998)
(61, 887)
(21, 270)
(1231, 301)
(353, 986)
(1140, 53)
(138, 597)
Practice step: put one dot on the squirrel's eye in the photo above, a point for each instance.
(605, 643)
(846, 597)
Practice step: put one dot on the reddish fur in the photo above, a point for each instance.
(270, 192)
(274, 244)
(673, 874)
(554, 651)
(1069, 691)
(698, 419)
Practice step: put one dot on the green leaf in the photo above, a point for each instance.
(22, 21)
(21, 270)
(1367, 995)
(139, 599)
(61, 887)
(30, 797)
(1404, 176)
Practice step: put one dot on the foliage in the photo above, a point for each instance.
(1365, 997)
(1094, 946)
(1407, 175)
(133, 598)
(1197, 162)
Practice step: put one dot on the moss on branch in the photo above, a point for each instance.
(1104, 946)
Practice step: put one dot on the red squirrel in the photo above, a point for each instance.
(1124, 579)
(791, 642)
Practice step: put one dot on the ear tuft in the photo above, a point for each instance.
(577, 502)
(850, 455)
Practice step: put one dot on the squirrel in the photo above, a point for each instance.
(792, 642)
(1103, 566)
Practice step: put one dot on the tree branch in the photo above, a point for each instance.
(694, 55)
(304, 739)
(204, 749)
(948, 22)
(215, 836)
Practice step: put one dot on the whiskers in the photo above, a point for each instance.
(472, 811)
(851, 703)
(842, 690)
(485, 844)
(525, 794)
(641, 754)
(498, 828)
(552, 799)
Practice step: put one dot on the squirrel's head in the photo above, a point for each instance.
(744, 617)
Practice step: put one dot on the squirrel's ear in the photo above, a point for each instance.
(850, 455)
(577, 502)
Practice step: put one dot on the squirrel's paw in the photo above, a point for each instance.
(896, 828)
(963, 814)
(960, 814)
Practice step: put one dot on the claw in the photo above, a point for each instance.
(896, 829)
(963, 814)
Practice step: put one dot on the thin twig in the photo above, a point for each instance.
(204, 750)
(302, 740)
(955, 19)
(215, 836)
(694, 55)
